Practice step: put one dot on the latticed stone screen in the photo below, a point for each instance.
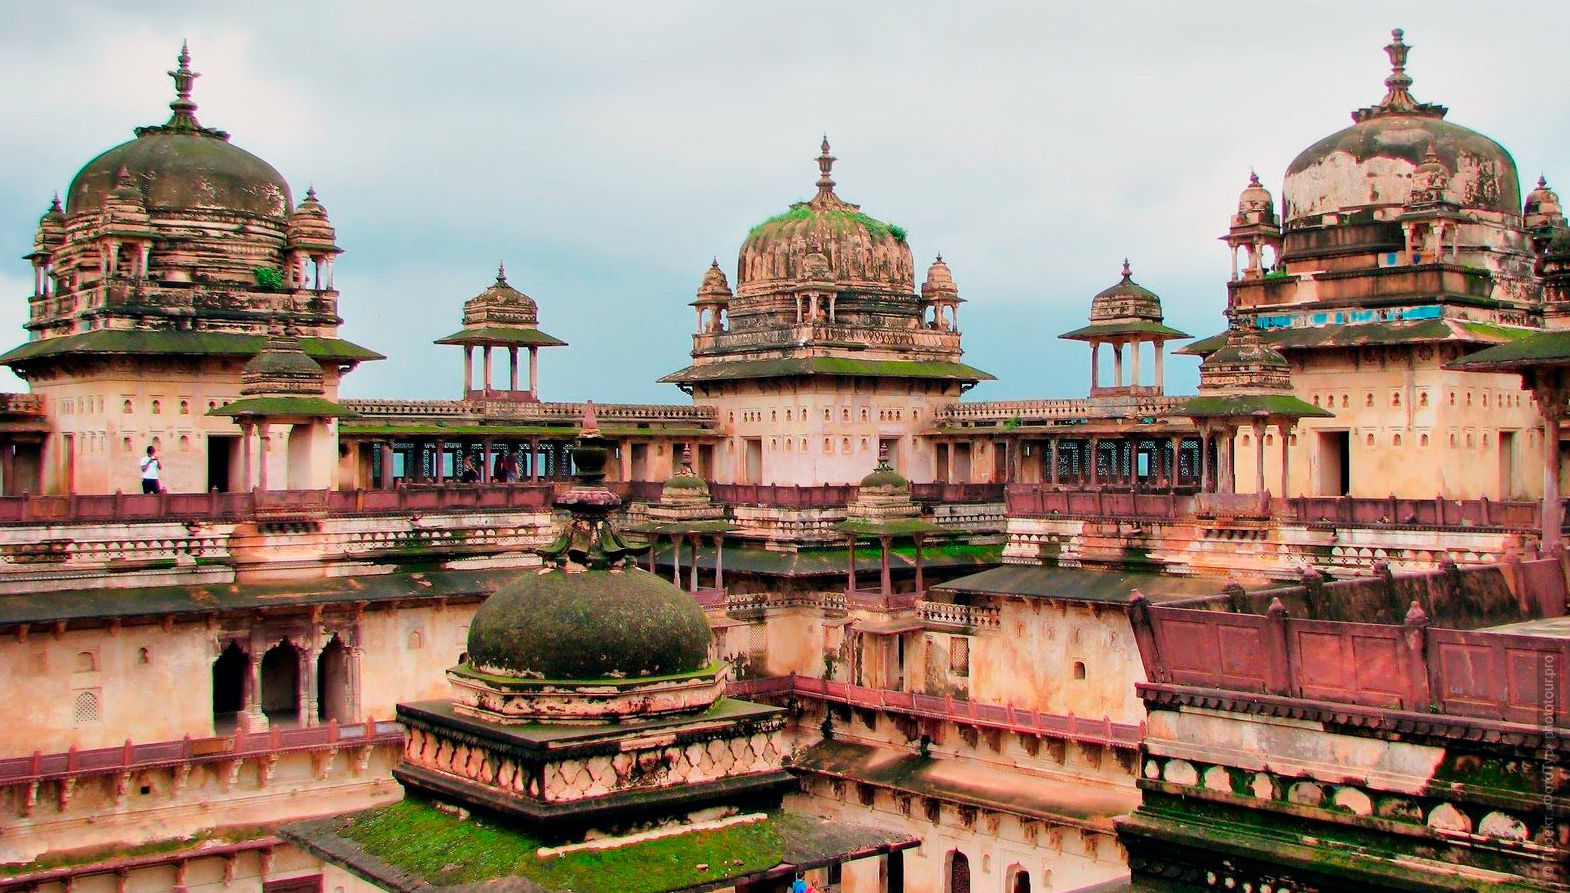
(959, 655)
(85, 707)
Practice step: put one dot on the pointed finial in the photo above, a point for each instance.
(589, 427)
(54, 206)
(501, 272)
(1397, 97)
(883, 456)
(940, 257)
(1126, 271)
(714, 264)
(1253, 178)
(310, 193)
(184, 108)
(825, 166)
(1542, 183)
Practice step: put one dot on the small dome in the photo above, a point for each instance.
(1372, 163)
(714, 289)
(883, 480)
(940, 282)
(51, 229)
(281, 368)
(1255, 198)
(1245, 364)
(686, 485)
(1125, 300)
(501, 304)
(123, 208)
(182, 165)
(1542, 208)
(859, 251)
(595, 624)
(309, 229)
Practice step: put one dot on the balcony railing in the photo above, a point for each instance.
(952, 616)
(264, 503)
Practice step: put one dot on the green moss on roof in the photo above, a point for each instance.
(1370, 333)
(444, 850)
(315, 407)
(179, 343)
(890, 528)
(735, 369)
(1134, 327)
(840, 217)
(1540, 349)
(596, 624)
(1249, 405)
(515, 335)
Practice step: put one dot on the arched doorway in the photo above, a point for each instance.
(281, 684)
(959, 873)
(229, 672)
(332, 683)
(1021, 882)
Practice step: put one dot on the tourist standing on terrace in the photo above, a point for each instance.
(150, 470)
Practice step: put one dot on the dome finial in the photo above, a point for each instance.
(184, 108)
(1253, 178)
(54, 206)
(501, 272)
(1126, 271)
(825, 166)
(1397, 97)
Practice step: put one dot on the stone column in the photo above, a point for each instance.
(693, 574)
(387, 465)
(485, 357)
(534, 372)
(1284, 429)
(1161, 382)
(512, 368)
(253, 691)
(468, 369)
(534, 459)
(921, 580)
(1133, 378)
(1095, 365)
(1551, 394)
(719, 562)
(1095, 475)
(262, 440)
(886, 581)
(1259, 456)
(1204, 462)
(1052, 474)
(306, 696)
(676, 560)
(850, 574)
(247, 430)
(1117, 364)
(1177, 461)
(485, 460)
(440, 455)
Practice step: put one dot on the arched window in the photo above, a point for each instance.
(86, 662)
(229, 672)
(959, 873)
(1079, 669)
(1021, 882)
(281, 683)
(332, 682)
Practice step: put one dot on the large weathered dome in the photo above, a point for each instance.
(862, 253)
(182, 165)
(596, 624)
(1370, 164)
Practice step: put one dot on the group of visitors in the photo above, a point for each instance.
(505, 470)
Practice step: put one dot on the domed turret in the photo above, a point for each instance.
(51, 229)
(1542, 209)
(714, 289)
(1255, 198)
(309, 230)
(1245, 365)
(281, 368)
(124, 212)
(939, 284)
(501, 304)
(1371, 164)
(859, 251)
(1126, 299)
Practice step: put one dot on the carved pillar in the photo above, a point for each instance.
(1161, 381)
(468, 369)
(306, 700)
(441, 449)
(1284, 428)
(247, 431)
(253, 690)
(485, 377)
(262, 440)
(387, 465)
(1204, 461)
(850, 574)
(534, 459)
(886, 580)
(921, 580)
(534, 372)
(512, 367)
(719, 562)
(1052, 474)
(1174, 470)
(1550, 391)
(693, 574)
(1117, 364)
(1095, 365)
(1133, 378)
(676, 560)
(1095, 473)
(485, 459)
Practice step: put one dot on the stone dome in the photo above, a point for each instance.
(1245, 364)
(1371, 164)
(595, 624)
(501, 304)
(939, 284)
(281, 367)
(860, 252)
(1126, 299)
(714, 289)
(1542, 208)
(1254, 197)
(51, 228)
(182, 166)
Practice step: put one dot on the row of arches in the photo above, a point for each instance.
(958, 878)
(280, 685)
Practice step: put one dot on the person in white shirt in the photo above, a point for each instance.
(150, 469)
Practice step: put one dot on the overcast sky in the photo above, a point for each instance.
(607, 151)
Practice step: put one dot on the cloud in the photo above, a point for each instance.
(608, 150)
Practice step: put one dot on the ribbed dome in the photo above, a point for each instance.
(501, 304)
(939, 284)
(182, 165)
(281, 368)
(594, 624)
(1542, 208)
(1254, 197)
(1371, 164)
(860, 252)
(1245, 364)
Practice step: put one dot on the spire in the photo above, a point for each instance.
(54, 206)
(310, 193)
(1398, 97)
(501, 272)
(1253, 179)
(589, 426)
(825, 166)
(1127, 273)
(184, 117)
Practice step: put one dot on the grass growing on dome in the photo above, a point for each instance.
(447, 851)
(841, 218)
